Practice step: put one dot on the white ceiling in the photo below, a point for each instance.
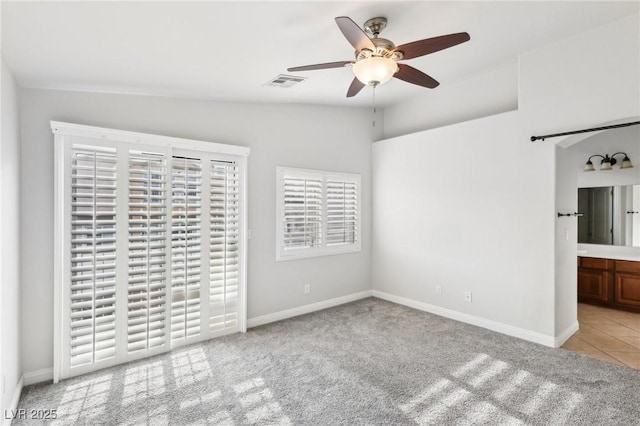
(229, 50)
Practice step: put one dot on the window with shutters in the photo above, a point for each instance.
(149, 245)
(317, 213)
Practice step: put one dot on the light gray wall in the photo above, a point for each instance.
(454, 208)
(584, 80)
(566, 307)
(611, 54)
(489, 93)
(328, 138)
(472, 206)
(10, 356)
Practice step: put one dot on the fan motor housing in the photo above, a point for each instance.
(374, 26)
(384, 48)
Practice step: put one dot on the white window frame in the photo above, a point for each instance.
(64, 134)
(283, 253)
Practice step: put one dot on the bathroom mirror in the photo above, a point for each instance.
(610, 215)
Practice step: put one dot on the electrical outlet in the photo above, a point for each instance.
(439, 290)
(307, 288)
(467, 296)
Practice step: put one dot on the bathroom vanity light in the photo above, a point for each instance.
(607, 162)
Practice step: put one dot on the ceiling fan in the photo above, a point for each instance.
(377, 58)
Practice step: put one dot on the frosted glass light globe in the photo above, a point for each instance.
(606, 165)
(375, 70)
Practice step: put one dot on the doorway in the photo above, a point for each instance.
(571, 155)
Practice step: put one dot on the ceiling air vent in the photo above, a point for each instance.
(285, 81)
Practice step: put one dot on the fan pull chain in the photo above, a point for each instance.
(374, 106)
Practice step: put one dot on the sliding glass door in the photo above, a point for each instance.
(151, 255)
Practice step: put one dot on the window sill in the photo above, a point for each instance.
(309, 253)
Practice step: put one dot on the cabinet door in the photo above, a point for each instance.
(628, 289)
(593, 284)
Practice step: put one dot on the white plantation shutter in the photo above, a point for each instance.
(148, 254)
(150, 251)
(92, 284)
(342, 212)
(317, 213)
(224, 237)
(186, 234)
(302, 212)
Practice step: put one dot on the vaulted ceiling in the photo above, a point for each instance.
(228, 50)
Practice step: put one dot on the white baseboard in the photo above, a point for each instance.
(509, 330)
(14, 402)
(39, 376)
(566, 334)
(301, 310)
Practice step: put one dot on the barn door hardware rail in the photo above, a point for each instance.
(575, 132)
(576, 214)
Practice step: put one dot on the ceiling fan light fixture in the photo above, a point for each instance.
(375, 70)
(376, 57)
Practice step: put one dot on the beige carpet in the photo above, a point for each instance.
(369, 362)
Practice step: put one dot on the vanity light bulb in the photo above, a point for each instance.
(606, 165)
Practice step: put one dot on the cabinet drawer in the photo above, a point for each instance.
(595, 263)
(627, 266)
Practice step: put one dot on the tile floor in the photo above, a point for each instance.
(607, 334)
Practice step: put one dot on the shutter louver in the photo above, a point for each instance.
(93, 255)
(147, 278)
(224, 237)
(185, 247)
(342, 212)
(302, 210)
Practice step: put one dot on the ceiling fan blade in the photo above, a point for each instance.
(338, 64)
(356, 86)
(430, 45)
(352, 32)
(414, 76)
